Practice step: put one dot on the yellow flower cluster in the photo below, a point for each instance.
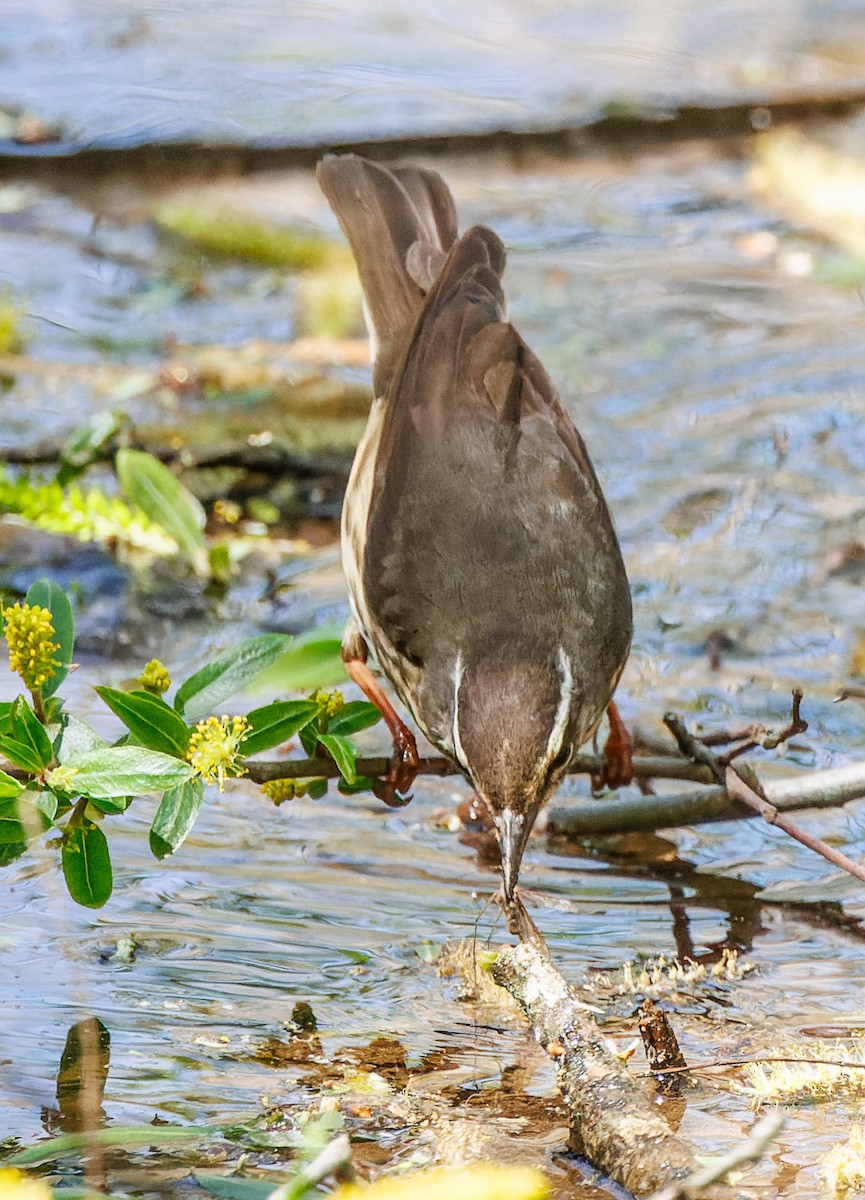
(478, 1181)
(154, 678)
(280, 790)
(214, 749)
(331, 702)
(28, 631)
(826, 1071)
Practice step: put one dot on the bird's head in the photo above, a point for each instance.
(518, 719)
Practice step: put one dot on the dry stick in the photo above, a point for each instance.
(754, 1147)
(748, 789)
(613, 1121)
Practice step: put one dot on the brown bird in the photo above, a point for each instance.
(483, 567)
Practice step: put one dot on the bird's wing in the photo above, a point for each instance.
(484, 492)
(399, 223)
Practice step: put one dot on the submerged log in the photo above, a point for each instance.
(613, 1121)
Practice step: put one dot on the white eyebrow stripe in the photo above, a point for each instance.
(455, 729)
(560, 722)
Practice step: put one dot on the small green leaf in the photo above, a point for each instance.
(175, 817)
(9, 851)
(45, 802)
(228, 674)
(83, 446)
(316, 788)
(362, 783)
(20, 755)
(354, 716)
(313, 660)
(76, 737)
(21, 820)
(126, 771)
(276, 723)
(151, 721)
(86, 864)
(235, 1187)
(309, 740)
(29, 731)
(50, 595)
(9, 788)
(342, 753)
(149, 484)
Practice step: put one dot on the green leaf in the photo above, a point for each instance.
(316, 788)
(29, 731)
(44, 801)
(5, 714)
(86, 864)
(50, 595)
(76, 737)
(149, 484)
(10, 788)
(342, 753)
(228, 674)
(354, 716)
(175, 817)
(20, 754)
(276, 723)
(314, 660)
(235, 1187)
(362, 783)
(309, 740)
(117, 1135)
(151, 721)
(9, 851)
(83, 446)
(126, 771)
(20, 821)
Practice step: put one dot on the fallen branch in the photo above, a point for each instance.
(614, 1123)
(627, 814)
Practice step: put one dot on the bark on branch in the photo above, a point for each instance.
(613, 1121)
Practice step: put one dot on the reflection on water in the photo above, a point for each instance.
(721, 399)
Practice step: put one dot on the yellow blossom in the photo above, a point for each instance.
(15, 1185)
(330, 702)
(214, 749)
(478, 1181)
(154, 678)
(28, 631)
(280, 790)
(62, 778)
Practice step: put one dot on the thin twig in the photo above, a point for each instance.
(741, 789)
(718, 1063)
(743, 785)
(754, 1147)
(334, 1159)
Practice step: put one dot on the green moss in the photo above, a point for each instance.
(329, 301)
(234, 236)
(12, 340)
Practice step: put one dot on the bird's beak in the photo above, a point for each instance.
(513, 830)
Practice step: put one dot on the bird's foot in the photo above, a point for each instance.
(617, 768)
(393, 789)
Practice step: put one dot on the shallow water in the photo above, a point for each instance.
(721, 398)
(109, 73)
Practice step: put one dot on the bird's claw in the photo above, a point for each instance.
(617, 769)
(393, 789)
